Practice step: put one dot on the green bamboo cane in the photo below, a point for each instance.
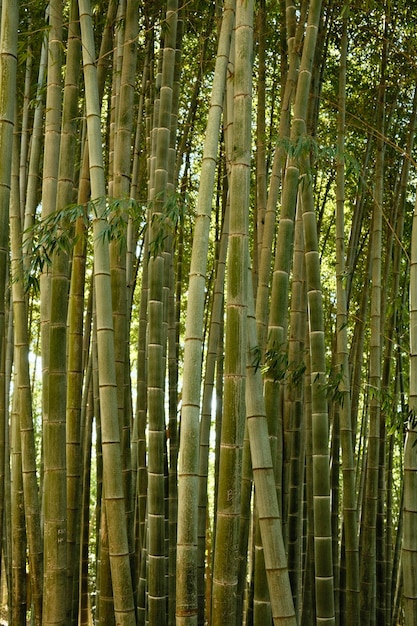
(112, 469)
(3, 447)
(105, 610)
(206, 411)
(294, 406)
(24, 399)
(369, 513)
(390, 312)
(19, 418)
(266, 242)
(173, 299)
(308, 609)
(77, 351)
(357, 218)
(388, 355)
(397, 587)
(24, 139)
(277, 322)
(141, 420)
(8, 368)
(74, 386)
(86, 418)
(389, 542)
(187, 126)
(104, 592)
(409, 545)
(17, 598)
(8, 64)
(49, 188)
(225, 568)
(54, 488)
(324, 586)
(348, 465)
(117, 60)
(157, 316)
(261, 174)
(56, 479)
(3, 433)
(31, 195)
(188, 468)
(118, 248)
(173, 377)
(262, 613)
(245, 527)
(320, 427)
(280, 594)
(139, 433)
(219, 388)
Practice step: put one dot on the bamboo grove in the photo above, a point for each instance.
(208, 313)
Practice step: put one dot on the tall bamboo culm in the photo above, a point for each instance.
(114, 502)
(157, 318)
(368, 539)
(225, 567)
(54, 475)
(188, 468)
(409, 545)
(350, 521)
(8, 65)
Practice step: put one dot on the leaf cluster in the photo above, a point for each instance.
(52, 234)
(115, 213)
(281, 369)
(56, 233)
(166, 216)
